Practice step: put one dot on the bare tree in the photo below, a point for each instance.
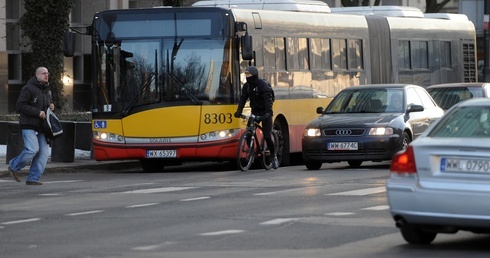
(174, 3)
(433, 7)
(347, 3)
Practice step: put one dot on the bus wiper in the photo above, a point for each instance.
(184, 89)
(135, 98)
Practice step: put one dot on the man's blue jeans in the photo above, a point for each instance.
(36, 153)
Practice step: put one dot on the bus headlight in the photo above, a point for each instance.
(108, 137)
(218, 135)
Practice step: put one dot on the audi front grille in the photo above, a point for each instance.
(343, 132)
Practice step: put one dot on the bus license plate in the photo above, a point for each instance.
(342, 146)
(465, 165)
(161, 154)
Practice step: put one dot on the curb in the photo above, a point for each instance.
(56, 167)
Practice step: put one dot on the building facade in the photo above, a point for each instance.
(77, 73)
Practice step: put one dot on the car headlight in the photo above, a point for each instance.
(312, 132)
(381, 131)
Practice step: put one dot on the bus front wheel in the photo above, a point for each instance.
(152, 165)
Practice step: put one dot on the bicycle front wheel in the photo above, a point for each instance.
(246, 151)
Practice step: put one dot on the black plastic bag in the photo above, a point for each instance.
(52, 125)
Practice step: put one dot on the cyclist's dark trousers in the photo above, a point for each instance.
(267, 129)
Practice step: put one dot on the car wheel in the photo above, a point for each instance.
(406, 141)
(414, 235)
(354, 163)
(313, 165)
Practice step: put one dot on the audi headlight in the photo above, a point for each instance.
(381, 131)
(312, 132)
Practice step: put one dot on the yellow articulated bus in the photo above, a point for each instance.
(167, 80)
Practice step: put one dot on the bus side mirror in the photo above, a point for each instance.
(69, 44)
(247, 51)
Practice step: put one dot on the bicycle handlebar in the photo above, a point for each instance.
(251, 117)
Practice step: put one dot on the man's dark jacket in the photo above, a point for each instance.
(260, 94)
(34, 97)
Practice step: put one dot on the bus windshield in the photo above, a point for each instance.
(158, 66)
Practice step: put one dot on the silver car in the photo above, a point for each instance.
(441, 182)
(448, 94)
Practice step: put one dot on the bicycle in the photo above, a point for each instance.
(252, 145)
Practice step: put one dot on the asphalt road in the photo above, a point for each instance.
(210, 210)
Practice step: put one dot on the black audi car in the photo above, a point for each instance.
(368, 123)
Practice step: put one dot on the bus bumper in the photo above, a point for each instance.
(207, 151)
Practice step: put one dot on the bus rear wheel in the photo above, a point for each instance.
(282, 146)
(152, 165)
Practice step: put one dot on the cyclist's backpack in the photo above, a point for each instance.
(270, 87)
(272, 90)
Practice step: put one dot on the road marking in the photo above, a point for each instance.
(224, 232)
(360, 192)
(339, 213)
(83, 213)
(377, 208)
(50, 194)
(278, 221)
(139, 184)
(195, 199)
(20, 221)
(285, 191)
(153, 247)
(142, 205)
(160, 190)
(147, 248)
(65, 181)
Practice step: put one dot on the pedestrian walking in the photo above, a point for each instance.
(33, 101)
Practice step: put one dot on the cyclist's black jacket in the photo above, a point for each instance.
(260, 94)
(34, 97)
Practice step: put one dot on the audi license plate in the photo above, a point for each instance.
(465, 165)
(161, 154)
(342, 146)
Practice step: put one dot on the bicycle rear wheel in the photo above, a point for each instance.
(246, 151)
(268, 157)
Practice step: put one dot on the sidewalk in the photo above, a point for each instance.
(82, 160)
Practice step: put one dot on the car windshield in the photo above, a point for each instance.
(376, 100)
(466, 122)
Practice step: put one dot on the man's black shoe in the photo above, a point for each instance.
(33, 183)
(13, 175)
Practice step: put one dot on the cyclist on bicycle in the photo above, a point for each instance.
(261, 99)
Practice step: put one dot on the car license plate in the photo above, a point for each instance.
(161, 154)
(342, 146)
(464, 165)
